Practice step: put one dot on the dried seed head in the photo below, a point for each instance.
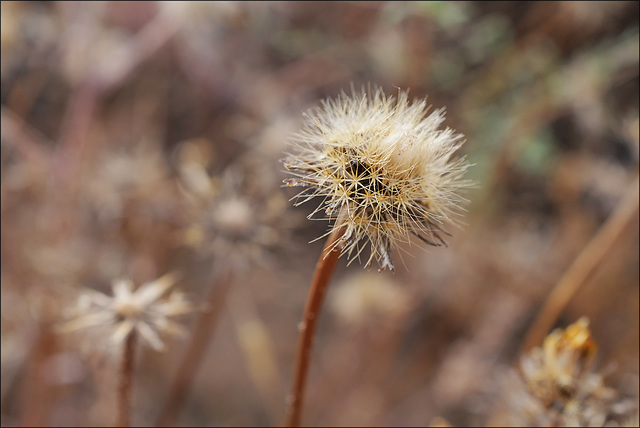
(554, 371)
(146, 310)
(386, 164)
(232, 216)
(557, 384)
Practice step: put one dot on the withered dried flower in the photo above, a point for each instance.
(386, 164)
(147, 310)
(230, 216)
(557, 385)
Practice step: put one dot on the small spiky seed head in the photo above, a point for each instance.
(384, 165)
(148, 311)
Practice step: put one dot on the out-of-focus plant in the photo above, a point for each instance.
(558, 386)
(122, 318)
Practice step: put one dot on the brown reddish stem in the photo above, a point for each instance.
(584, 267)
(37, 395)
(126, 381)
(324, 270)
(192, 358)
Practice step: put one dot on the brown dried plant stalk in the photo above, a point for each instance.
(324, 270)
(192, 358)
(584, 267)
(125, 381)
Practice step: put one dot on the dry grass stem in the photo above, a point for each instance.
(584, 267)
(125, 385)
(192, 358)
(37, 398)
(14, 130)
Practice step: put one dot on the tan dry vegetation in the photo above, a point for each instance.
(141, 138)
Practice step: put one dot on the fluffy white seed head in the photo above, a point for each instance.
(383, 163)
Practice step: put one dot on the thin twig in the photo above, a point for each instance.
(113, 70)
(126, 381)
(26, 141)
(258, 348)
(37, 396)
(192, 358)
(324, 270)
(584, 267)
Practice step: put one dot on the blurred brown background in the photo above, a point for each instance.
(114, 113)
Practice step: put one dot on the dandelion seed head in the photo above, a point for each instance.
(384, 162)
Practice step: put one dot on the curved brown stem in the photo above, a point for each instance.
(126, 381)
(324, 270)
(192, 357)
(584, 267)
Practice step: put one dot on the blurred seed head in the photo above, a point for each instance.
(439, 422)
(137, 175)
(385, 164)
(148, 311)
(232, 217)
(558, 387)
(364, 296)
(554, 371)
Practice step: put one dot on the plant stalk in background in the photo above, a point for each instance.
(146, 312)
(192, 358)
(584, 266)
(125, 381)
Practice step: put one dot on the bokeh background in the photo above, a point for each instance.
(140, 138)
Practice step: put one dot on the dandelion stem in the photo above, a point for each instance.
(192, 357)
(584, 267)
(126, 381)
(324, 270)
